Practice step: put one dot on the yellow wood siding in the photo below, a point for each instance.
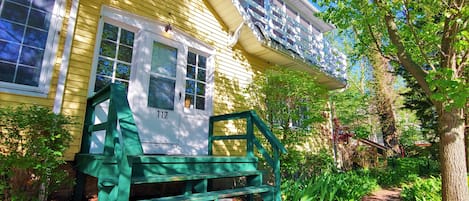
(234, 68)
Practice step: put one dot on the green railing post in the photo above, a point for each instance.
(250, 136)
(210, 136)
(278, 179)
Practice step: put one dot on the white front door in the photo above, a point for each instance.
(155, 94)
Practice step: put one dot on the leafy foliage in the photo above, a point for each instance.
(351, 185)
(293, 104)
(31, 151)
(400, 171)
(300, 164)
(422, 189)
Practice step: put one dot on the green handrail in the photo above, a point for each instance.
(119, 122)
(252, 119)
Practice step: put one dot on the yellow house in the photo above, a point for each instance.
(181, 61)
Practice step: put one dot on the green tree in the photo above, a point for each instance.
(430, 40)
(294, 105)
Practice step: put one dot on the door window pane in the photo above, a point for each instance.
(162, 79)
(161, 93)
(164, 60)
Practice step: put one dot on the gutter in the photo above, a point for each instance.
(59, 94)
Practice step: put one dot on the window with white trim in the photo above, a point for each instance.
(28, 29)
(196, 81)
(115, 56)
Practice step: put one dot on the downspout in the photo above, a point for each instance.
(59, 94)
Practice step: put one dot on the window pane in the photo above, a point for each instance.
(161, 93)
(202, 61)
(10, 51)
(35, 38)
(28, 76)
(101, 82)
(200, 103)
(24, 2)
(125, 53)
(10, 31)
(191, 58)
(189, 101)
(7, 72)
(164, 59)
(123, 71)
(110, 32)
(31, 56)
(190, 72)
(200, 89)
(201, 75)
(39, 19)
(190, 86)
(105, 67)
(46, 5)
(14, 12)
(127, 37)
(108, 49)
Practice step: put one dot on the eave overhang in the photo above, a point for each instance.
(254, 40)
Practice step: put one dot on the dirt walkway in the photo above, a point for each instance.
(384, 195)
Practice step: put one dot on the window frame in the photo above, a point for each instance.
(48, 60)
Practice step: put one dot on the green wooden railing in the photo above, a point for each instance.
(252, 119)
(119, 118)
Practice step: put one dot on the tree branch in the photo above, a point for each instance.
(414, 34)
(404, 57)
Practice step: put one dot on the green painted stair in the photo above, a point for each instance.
(123, 163)
(214, 195)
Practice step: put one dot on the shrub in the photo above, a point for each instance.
(31, 151)
(422, 189)
(351, 185)
(300, 164)
(405, 170)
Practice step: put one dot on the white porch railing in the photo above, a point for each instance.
(296, 35)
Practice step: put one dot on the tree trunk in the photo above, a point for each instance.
(384, 98)
(452, 155)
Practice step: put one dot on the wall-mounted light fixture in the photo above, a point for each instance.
(168, 28)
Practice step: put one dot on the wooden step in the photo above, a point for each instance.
(189, 177)
(214, 195)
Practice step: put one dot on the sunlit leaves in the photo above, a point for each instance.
(452, 91)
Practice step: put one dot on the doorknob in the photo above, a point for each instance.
(180, 95)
